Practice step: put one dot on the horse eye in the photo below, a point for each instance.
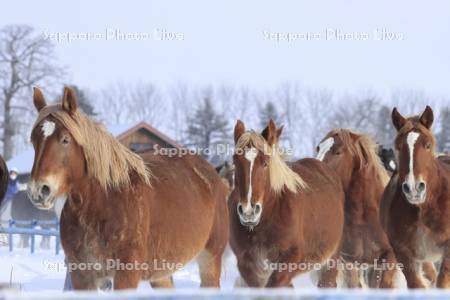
(65, 140)
(428, 146)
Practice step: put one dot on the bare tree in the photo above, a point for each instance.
(26, 60)
(180, 97)
(318, 115)
(125, 102)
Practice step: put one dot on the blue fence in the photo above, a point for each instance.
(30, 228)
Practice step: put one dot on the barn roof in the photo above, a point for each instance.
(24, 160)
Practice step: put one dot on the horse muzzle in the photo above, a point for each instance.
(249, 215)
(41, 195)
(415, 193)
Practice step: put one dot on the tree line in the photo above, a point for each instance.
(199, 116)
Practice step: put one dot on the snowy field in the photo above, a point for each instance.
(41, 276)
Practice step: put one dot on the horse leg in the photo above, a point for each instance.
(210, 266)
(410, 269)
(328, 274)
(443, 280)
(389, 273)
(352, 278)
(127, 279)
(429, 271)
(252, 271)
(164, 283)
(283, 276)
(210, 259)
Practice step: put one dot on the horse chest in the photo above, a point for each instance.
(426, 246)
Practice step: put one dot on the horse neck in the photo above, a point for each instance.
(273, 202)
(367, 180)
(438, 186)
(88, 197)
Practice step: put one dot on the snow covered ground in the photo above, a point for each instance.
(45, 271)
(41, 276)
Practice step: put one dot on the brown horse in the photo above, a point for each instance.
(124, 220)
(4, 177)
(354, 157)
(417, 201)
(281, 214)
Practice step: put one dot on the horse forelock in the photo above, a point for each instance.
(413, 124)
(364, 149)
(107, 160)
(281, 175)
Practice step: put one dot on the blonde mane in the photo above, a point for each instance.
(365, 150)
(281, 175)
(107, 160)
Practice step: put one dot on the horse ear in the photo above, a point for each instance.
(239, 130)
(270, 133)
(397, 119)
(38, 99)
(427, 117)
(279, 132)
(69, 101)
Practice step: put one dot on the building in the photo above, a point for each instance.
(138, 138)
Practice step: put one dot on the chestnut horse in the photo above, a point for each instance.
(281, 214)
(125, 220)
(417, 201)
(4, 178)
(355, 159)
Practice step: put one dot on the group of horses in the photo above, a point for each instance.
(339, 207)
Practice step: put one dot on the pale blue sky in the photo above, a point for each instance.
(224, 42)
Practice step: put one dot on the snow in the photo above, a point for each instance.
(41, 276)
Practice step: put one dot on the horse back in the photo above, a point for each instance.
(188, 172)
(320, 179)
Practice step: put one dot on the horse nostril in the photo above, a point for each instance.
(45, 191)
(406, 188)
(240, 209)
(257, 208)
(421, 186)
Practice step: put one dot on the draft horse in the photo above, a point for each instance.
(4, 178)
(355, 159)
(282, 214)
(417, 201)
(126, 217)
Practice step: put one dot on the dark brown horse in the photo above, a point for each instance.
(125, 220)
(226, 171)
(4, 176)
(282, 215)
(355, 159)
(417, 201)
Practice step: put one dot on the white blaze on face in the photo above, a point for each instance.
(48, 128)
(324, 147)
(411, 140)
(250, 155)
